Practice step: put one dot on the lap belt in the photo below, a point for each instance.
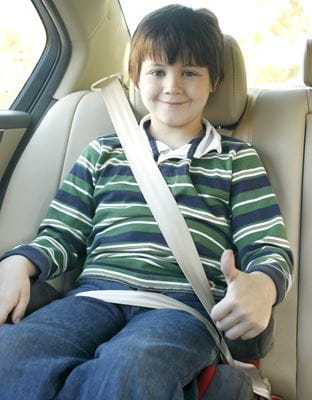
(170, 220)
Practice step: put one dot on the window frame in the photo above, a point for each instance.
(37, 93)
(36, 96)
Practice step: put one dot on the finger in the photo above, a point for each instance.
(19, 311)
(4, 313)
(238, 331)
(252, 333)
(228, 322)
(221, 310)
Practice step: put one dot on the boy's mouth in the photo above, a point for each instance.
(173, 103)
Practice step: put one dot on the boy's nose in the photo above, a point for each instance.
(173, 85)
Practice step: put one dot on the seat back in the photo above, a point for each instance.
(273, 121)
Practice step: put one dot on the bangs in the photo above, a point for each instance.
(169, 49)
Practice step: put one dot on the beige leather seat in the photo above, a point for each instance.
(273, 121)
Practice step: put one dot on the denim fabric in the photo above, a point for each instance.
(78, 348)
(229, 383)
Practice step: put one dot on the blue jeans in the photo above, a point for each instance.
(79, 348)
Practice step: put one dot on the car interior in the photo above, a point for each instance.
(277, 122)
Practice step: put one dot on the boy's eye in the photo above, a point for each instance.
(189, 73)
(157, 73)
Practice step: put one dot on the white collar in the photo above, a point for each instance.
(211, 141)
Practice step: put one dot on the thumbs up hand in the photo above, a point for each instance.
(246, 309)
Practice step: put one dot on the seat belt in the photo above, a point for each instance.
(170, 220)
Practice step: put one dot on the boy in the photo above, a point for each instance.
(80, 348)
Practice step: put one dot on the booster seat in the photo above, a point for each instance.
(79, 117)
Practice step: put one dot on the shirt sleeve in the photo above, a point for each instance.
(62, 236)
(258, 228)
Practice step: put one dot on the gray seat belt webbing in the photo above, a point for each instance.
(171, 222)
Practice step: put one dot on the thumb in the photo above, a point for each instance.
(228, 266)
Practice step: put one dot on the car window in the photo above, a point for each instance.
(271, 33)
(22, 41)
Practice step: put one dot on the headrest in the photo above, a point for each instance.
(307, 69)
(226, 105)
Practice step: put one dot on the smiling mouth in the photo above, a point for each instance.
(173, 103)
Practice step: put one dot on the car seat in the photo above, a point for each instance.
(274, 121)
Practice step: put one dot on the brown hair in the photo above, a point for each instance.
(174, 33)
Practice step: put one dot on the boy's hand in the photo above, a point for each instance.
(15, 287)
(246, 309)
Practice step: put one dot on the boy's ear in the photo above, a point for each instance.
(137, 84)
(214, 85)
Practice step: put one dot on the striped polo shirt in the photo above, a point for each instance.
(99, 220)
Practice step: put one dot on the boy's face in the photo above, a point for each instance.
(175, 95)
